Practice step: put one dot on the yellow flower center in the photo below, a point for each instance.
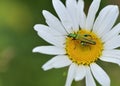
(84, 49)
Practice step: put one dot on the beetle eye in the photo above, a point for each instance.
(86, 35)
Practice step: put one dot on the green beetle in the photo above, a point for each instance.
(84, 39)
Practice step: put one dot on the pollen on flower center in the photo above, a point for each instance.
(84, 49)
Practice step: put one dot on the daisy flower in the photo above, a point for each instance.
(80, 41)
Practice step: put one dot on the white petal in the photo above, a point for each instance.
(100, 75)
(52, 50)
(114, 32)
(112, 53)
(92, 13)
(53, 22)
(71, 6)
(57, 62)
(89, 78)
(106, 19)
(80, 14)
(113, 43)
(80, 73)
(110, 59)
(45, 33)
(71, 74)
(63, 14)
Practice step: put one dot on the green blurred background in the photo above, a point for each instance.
(18, 65)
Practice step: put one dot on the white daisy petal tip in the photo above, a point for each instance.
(119, 64)
(36, 27)
(78, 79)
(48, 65)
(35, 50)
(80, 73)
(97, 1)
(45, 68)
(116, 8)
(55, 1)
(45, 12)
(57, 62)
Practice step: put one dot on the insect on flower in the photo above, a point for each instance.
(84, 39)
